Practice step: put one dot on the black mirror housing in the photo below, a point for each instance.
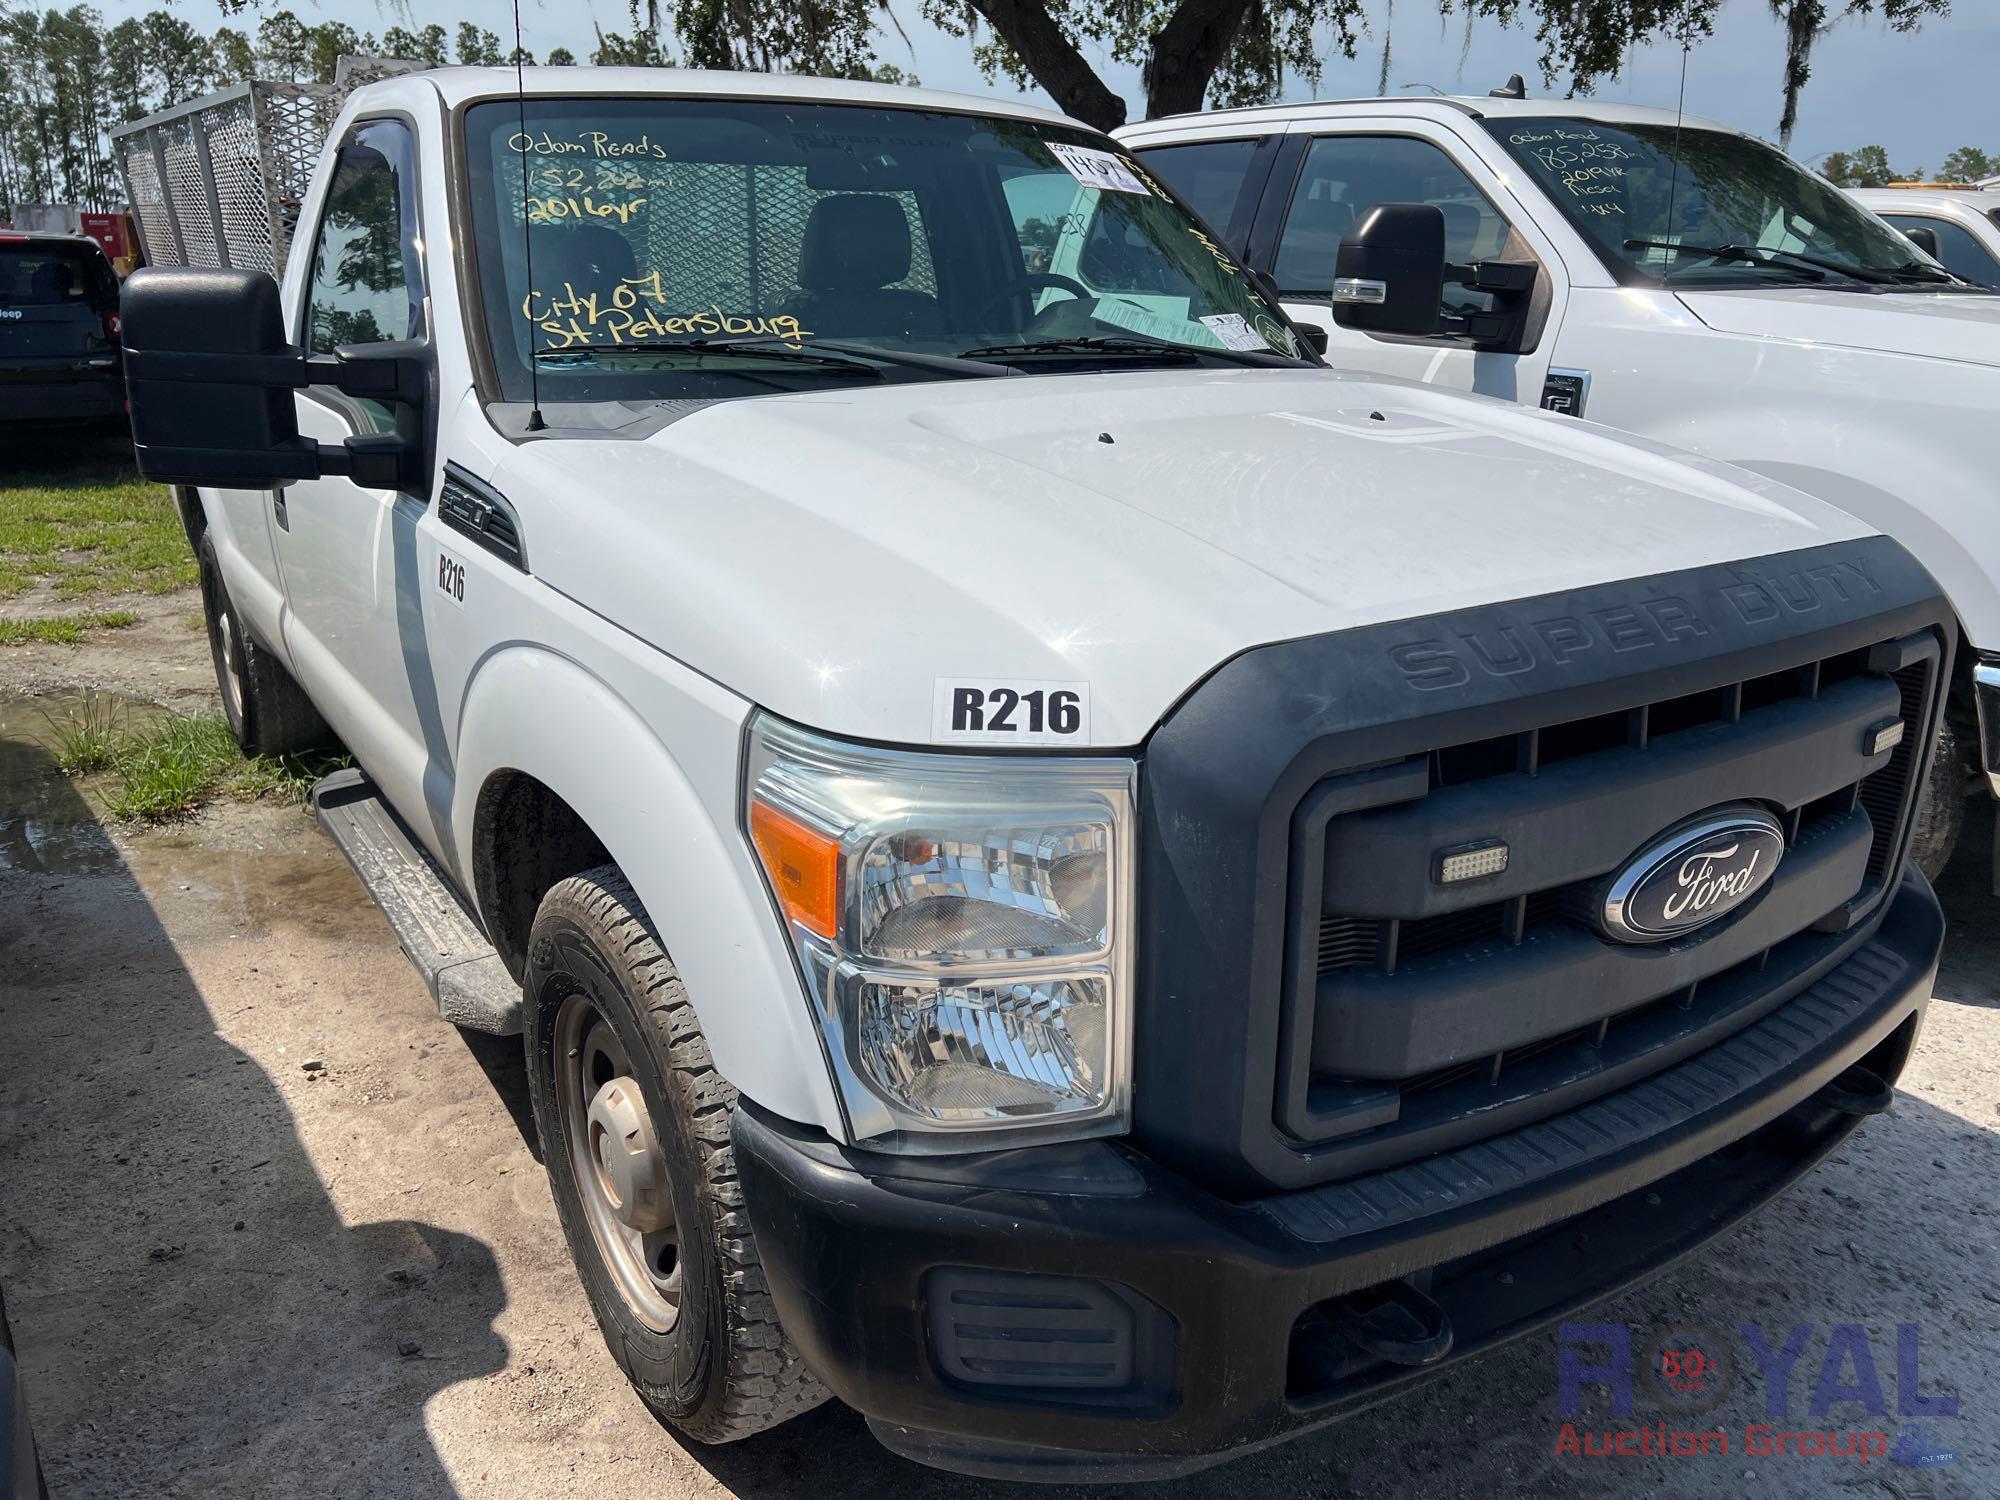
(209, 380)
(1924, 238)
(243, 431)
(1389, 275)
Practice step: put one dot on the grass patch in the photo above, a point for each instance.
(88, 736)
(83, 522)
(62, 630)
(168, 769)
(164, 768)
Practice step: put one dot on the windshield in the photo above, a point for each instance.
(1657, 203)
(659, 229)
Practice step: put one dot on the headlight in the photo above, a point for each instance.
(962, 923)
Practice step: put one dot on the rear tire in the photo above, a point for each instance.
(268, 712)
(664, 1249)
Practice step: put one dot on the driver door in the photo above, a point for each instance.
(349, 556)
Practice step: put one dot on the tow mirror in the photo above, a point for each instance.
(1923, 238)
(209, 379)
(1389, 275)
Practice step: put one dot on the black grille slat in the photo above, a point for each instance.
(1887, 792)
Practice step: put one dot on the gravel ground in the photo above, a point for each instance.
(232, 1273)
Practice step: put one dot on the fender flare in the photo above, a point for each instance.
(530, 709)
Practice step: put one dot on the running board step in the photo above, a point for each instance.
(467, 980)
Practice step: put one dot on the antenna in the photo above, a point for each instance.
(535, 422)
(1680, 109)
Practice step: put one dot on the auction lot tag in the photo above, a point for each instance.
(1009, 711)
(1234, 332)
(1097, 169)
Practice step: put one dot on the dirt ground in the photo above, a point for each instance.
(230, 1275)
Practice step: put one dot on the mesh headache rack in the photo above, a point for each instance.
(218, 181)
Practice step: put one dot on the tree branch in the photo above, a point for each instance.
(1186, 53)
(1028, 28)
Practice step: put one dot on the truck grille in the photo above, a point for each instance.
(1314, 1004)
(1438, 1015)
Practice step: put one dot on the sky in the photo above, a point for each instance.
(1920, 96)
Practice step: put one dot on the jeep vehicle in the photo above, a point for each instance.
(58, 330)
(1668, 276)
(1065, 876)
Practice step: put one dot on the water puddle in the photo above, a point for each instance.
(47, 823)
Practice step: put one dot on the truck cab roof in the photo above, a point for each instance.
(463, 85)
(1431, 106)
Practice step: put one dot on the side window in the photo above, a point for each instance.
(1346, 175)
(367, 283)
(1209, 174)
(1960, 251)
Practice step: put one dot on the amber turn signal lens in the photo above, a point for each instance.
(804, 866)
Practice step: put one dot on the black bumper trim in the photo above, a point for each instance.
(848, 1240)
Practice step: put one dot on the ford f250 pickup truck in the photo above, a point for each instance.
(1664, 275)
(1099, 892)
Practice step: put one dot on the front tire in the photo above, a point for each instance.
(268, 712)
(1940, 812)
(634, 1125)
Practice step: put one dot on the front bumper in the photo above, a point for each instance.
(1077, 1312)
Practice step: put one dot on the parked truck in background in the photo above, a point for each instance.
(1963, 224)
(1668, 276)
(1097, 891)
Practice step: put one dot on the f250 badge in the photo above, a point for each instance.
(1008, 711)
(451, 578)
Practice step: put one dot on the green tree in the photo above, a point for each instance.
(1969, 164)
(235, 57)
(1865, 167)
(127, 69)
(561, 57)
(284, 49)
(328, 43)
(182, 61)
(427, 46)
(642, 49)
(477, 48)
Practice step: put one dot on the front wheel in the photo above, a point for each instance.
(1940, 812)
(634, 1125)
(268, 712)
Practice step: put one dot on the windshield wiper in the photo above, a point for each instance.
(862, 358)
(1127, 348)
(1916, 270)
(1759, 254)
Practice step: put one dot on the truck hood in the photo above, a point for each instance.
(1962, 326)
(834, 556)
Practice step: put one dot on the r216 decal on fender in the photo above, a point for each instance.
(1005, 711)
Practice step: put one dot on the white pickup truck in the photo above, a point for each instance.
(1963, 224)
(1671, 277)
(1093, 889)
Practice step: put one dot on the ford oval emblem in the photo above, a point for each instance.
(1693, 874)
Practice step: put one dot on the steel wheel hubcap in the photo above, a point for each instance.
(620, 1170)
